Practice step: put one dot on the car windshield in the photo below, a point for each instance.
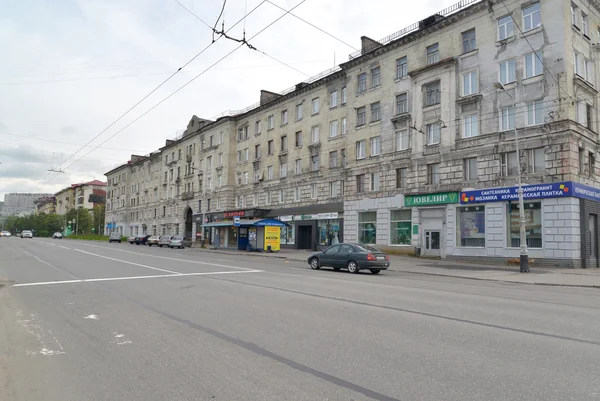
(177, 238)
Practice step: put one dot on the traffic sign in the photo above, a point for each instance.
(236, 221)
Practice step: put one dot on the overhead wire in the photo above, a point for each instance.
(61, 142)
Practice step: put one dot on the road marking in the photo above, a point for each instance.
(93, 280)
(91, 317)
(63, 247)
(120, 339)
(129, 263)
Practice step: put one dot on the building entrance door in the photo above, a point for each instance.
(432, 243)
(304, 237)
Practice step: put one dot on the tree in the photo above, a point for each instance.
(99, 212)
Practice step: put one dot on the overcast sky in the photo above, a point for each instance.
(71, 67)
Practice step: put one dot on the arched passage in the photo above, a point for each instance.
(188, 222)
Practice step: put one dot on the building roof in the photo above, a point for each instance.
(94, 182)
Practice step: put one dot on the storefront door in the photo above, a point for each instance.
(432, 243)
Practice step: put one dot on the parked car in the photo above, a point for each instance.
(141, 239)
(153, 240)
(57, 235)
(131, 240)
(26, 234)
(114, 237)
(164, 240)
(5, 234)
(354, 257)
(176, 242)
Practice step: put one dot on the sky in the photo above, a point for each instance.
(71, 68)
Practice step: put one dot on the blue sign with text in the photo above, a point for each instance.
(586, 192)
(535, 191)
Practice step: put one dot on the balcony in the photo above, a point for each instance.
(188, 157)
(187, 195)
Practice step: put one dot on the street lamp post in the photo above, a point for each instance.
(524, 257)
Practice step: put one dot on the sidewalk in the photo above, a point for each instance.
(408, 264)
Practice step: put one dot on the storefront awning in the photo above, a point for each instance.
(249, 223)
(219, 224)
(270, 223)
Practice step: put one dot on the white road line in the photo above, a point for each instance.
(129, 263)
(63, 247)
(93, 280)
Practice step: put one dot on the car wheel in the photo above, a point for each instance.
(375, 271)
(352, 267)
(314, 264)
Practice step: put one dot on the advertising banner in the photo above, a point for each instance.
(272, 238)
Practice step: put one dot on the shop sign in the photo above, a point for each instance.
(586, 192)
(535, 191)
(272, 238)
(237, 213)
(286, 218)
(441, 198)
(320, 216)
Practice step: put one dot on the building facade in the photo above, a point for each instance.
(18, 203)
(46, 205)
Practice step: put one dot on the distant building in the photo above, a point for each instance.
(46, 205)
(87, 195)
(17, 203)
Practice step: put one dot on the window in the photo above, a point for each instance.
(246, 152)
(333, 129)
(281, 196)
(433, 133)
(509, 165)
(401, 67)
(315, 105)
(256, 151)
(361, 149)
(333, 99)
(469, 83)
(432, 93)
(270, 148)
(591, 164)
(267, 198)
(505, 27)
(508, 72)
(360, 183)
(361, 116)
(585, 25)
(284, 144)
(333, 159)
(362, 82)
(314, 134)
(536, 160)
(209, 162)
(433, 174)
(314, 163)
(533, 64)
(376, 146)
(298, 166)
(209, 183)
(375, 181)
(533, 227)
(250, 200)
(574, 11)
(220, 140)
(507, 118)
(179, 155)
(367, 227)
(271, 122)
(284, 117)
(402, 140)
(468, 41)
(344, 125)
(531, 17)
(433, 53)
(296, 193)
(299, 112)
(402, 103)
(269, 172)
(219, 181)
(298, 139)
(313, 191)
(375, 77)
(283, 170)
(245, 177)
(535, 112)
(470, 169)
(470, 126)
(257, 127)
(581, 161)
(401, 177)
(344, 93)
(588, 113)
(375, 111)
(220, 158)
(589, 72)
(470, 227)
(401, 227)
(335, 189)
(257, 175)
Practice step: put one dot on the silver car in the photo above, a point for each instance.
(26, 234)
(164, 240)
(176, 242)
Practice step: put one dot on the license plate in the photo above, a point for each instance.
(380, 257)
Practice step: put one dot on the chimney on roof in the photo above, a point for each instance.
(266, 96)
(168, 142)
(136, 158)
(301, 85)
(431, 20)
(367, 44)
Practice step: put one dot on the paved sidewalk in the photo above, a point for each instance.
(509, 274)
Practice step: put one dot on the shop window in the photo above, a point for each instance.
(470, 227)
(329, 232)
(288, 235)
(400, 227)
(533, 224)
(367, 227)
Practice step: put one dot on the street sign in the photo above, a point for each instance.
(236, 221)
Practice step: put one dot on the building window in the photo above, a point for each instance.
(344, 126)
(208, 182)
(333, 99)
(536, 160)
(333, 159)
(256, 152)
(360, 183)
(401, 227)
(281, 196)
(509, 165)
(315, 106)
(470, 227)
(432, 93)
(588, 114)
(220, 159)
(296, 194)
(402, 103)
(344, 93)
(401, 177)
(433, 133)
(533, 64)
(314, 163)
(245, 177)
(333, 129)
(298, 139)
(367, 227)
(362, 83)
(313, 191)
(470, 126)
(335, 189)
(267, 198)
(298, 166)
(314, 134)
(533, 227)
(433, 174)
(469, 83)
(246, 154)
(375, 181)
(284, 144)
(468, 41)
(401, 67)
(375, 111)
(470, 169)
(591, 164)
(283, 170)
(375, 77)
(433, 53)
(507, 118)
(402, 140)
(505, 27)
(299, 112)
(361, 116)
(584, 24)
(269, 172)
(376, 146)
(270, 148)
(535, 112)
(361, 149)
(531, 17)
(284, 117)
(508, 71)
(270, 122)
(574, 12)
(257, 128)
(581, 161)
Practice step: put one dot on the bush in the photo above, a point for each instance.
(92, 237)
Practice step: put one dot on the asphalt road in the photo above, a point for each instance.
(98, 321)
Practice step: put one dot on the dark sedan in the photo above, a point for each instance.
(354, 257)
(141, 240)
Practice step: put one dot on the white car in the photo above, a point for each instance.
(5, 234)
(57, 235)
(26, 234)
